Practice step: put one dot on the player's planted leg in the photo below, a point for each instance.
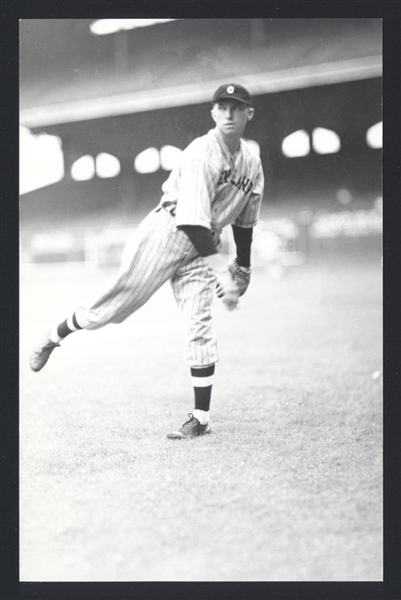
(190, 429)
(198, 424)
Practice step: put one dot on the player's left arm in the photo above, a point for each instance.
(240, 266)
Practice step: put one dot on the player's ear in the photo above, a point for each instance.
(251, 112)
(213, 114)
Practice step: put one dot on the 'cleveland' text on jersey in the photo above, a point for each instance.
(212, 188)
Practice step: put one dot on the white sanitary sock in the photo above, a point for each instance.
(202, 416)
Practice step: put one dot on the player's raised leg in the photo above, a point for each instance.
(51, 340)
(149, 260)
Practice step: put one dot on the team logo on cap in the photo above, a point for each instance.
(230, 89)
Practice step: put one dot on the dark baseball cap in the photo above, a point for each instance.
(232, 91)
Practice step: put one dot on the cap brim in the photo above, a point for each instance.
(231, 97)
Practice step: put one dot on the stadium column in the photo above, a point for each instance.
(71, 153)
(129, 185)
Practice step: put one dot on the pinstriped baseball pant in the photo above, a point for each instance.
(158, 252)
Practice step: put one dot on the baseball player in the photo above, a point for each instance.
(218, 182)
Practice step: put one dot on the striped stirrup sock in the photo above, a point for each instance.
(202, 380)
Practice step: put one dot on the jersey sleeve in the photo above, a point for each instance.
(201, 238)
(249, 216)
(195, 192)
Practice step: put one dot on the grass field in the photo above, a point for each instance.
(287, 488)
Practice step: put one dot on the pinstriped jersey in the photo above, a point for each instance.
(212, 188)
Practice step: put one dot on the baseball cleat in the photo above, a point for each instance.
(41, 354)
(191, 429)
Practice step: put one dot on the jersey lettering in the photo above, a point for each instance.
(242, 182)
(238, 183)
(206, 173)
(247, 190)
(224, 177)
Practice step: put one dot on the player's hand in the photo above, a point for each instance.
(241, 275)
(228, 289)
(230, 300)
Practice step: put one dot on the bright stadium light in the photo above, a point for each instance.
(169, 156)
(107, 26)
(374, 136)
(296, 144)
(41, 160)
(107, 165)
(83, 168)
(325, 141)
(148, 161)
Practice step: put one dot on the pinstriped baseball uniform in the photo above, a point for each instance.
(210, 188)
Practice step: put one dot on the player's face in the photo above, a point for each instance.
(231, 116)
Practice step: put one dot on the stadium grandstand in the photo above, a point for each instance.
(111, 104)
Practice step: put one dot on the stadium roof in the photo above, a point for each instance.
(69, 75)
